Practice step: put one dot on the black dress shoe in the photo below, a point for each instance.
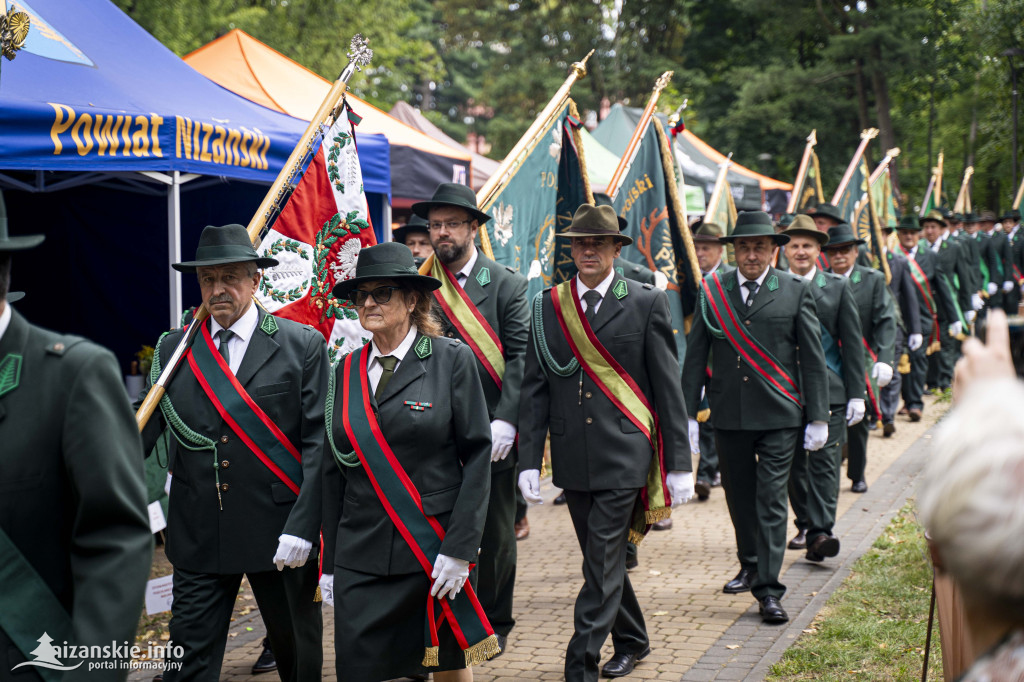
(772, 611)
(621, 665)
(824, 545)
(814, 556)
(799, 541)
(717, 480)
(632, 562)
(888, 430)
(742, 581)
(266, 663)
(664, 524)
(502, 644)
(560, 499)
(859, 487)
(702, 488)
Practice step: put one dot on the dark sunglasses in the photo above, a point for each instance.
(381, 295)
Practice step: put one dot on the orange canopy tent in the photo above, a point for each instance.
(247, 67)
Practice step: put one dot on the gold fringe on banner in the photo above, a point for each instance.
(482, 651)
(659, 514)
(316, 595)
(904, 364)
(430, 657)
(635, 536)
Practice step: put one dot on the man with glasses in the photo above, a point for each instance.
(484, 304)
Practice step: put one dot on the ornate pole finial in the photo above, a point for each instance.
(673, 120)
(14, 26)
(662, 81)
(580, 68)
(893, 153)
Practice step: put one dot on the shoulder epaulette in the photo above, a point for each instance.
(511, 269)
(61, 346)
(648, 285)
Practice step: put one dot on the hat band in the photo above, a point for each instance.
(224, 251)
(385, 271)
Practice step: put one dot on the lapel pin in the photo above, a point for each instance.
(417, 406)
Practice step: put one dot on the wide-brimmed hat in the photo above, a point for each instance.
(389, 260)
(415, 224)
(755, 224)
(595, 221)
(933, 215)
(451, 194)
(842, 235)
(602, 199)
(969, 218)
(13, 296)
(956, 218)
(1012, 214)
(827, 211)
(908, 223)
(221, 245)
(785, 220)
(19, 243)
(987, 217)
(803, 226)
(708, 233)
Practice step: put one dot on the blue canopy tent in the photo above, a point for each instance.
(98, 110)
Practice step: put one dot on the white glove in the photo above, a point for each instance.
(680, 486)
(976, 302)
(167, 484)
(882, 374)
(291, 551)
(956, 329)
(503, 435)
(815, 435)
(992, 288)
(970, 316)
(694, 437)
(449, 576)
(1007, 286)
(854, 412)
(529, 485)
(914, 341)
(327, 589)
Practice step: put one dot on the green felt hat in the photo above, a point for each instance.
(827, 211)
(969, 218)
(842, 235)
(1012, 214)
(934, 216)
(595, 221)
(221, 245)
(708, 233)
(415, 224)
(755, 224)
(389, 260)
(19, 243)
(803, 225)
(987, 217)
(908, 223)
(785, 220)
(451, 194)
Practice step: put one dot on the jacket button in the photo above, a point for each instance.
(225, 464)
(746, 322)
(223, 439)
(746, 378)
(451, 335)
(588, 394)
(224, 487)
(590, 420)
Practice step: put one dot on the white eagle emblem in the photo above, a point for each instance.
(503, 223)
(555, 149)
(345, 268)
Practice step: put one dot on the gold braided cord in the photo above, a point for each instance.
(482, 651)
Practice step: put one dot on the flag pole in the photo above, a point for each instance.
(801, 174)
(615, 184)
(927, 194)
(716, 193)
(865, 137)
(962, 204)
(938, 182)
(359, 55)
(884, 165)
(1020, 195)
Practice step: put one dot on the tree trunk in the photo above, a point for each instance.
(862, 96)
(886, 136)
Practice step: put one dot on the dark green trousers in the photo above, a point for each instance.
(755, 469)
(857, 450)
(201, 615)
(497, 562)
(708, 467)
(814, 479)
(940, 364)
(913, 383)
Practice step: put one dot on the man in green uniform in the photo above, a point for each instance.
(247, 409)
(1015, 238)
(956, 267)
(998, 257)
(75, 542)
(600, 414)
(878, 331)
(498, 295)
(757, 326)
(814, 477)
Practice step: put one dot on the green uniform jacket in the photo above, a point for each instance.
(630, 270)
(901, 286)
(785, 322)
(594, 446)
(877, 311)
(972, 275)
(72, 492)
(931, 268)
(955, 264)
(285, 373)
(445, 449)
(499, 294)
(837, 312)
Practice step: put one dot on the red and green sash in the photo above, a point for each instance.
(250, 423)
(757, 357)
(875, 407)
(925, 289)
(472, 326)
(401, 501)
(654, 502)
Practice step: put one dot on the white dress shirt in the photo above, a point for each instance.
(463, 275)
(938, 243)
(243, 329)
(713, 268)
(601, 288)
(912, 254)
(744, 291)
(5, 319)
(376, 369)
(809, 275)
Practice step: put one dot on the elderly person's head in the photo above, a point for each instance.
(389, 294)
(972, 499)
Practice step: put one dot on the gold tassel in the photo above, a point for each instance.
(317, 596)
(635, 536)
(482, 651)
(904, 364)
(430, 657)
(703, 415)
(933, 348)
(657, 514)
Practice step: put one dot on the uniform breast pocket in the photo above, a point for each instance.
(270, 390)
(556, 426)
(631, 338)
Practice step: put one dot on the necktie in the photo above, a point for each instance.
(225, 335)
(461, 279)
(592, 297)
(752, 288)
(388, 362)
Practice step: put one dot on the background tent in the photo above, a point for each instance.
(249, 68)
(95, 108)
(699, 161)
